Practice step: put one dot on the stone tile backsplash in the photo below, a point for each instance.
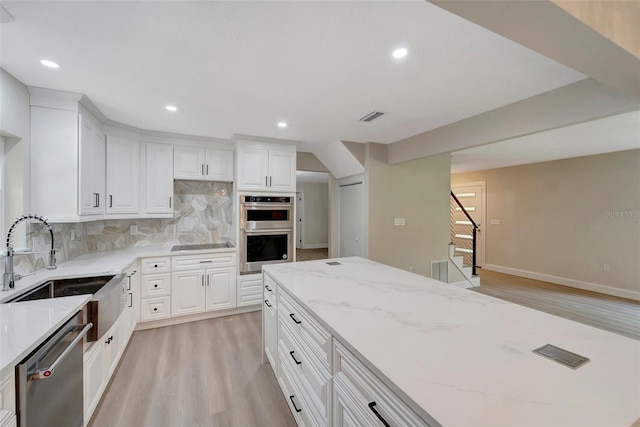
(203, 213)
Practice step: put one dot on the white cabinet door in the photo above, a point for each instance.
(159, 178)
(221, 289)
(94, 376)
(253, 164)
(187, 292)
(270, 332)
(219, 165)
(282, 170)
(188, 162)
(113, 347)
(92, 167)
(123, 175)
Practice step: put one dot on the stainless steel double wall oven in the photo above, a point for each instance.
(266, 231)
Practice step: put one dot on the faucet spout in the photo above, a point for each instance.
(8, 278)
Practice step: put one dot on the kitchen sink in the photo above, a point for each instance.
(107, 303)
(202, 246)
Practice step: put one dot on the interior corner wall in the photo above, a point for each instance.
(316, 214)
(562, 220)
(16, 129)
(417, 191)
(309, 162)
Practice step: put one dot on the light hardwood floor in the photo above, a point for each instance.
(618, 315)
(311, 254)
(206, 373)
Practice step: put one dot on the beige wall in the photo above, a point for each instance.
(560, 218)
(417, 191)
(316, 214)
(309, 162)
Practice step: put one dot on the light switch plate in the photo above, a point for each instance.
(495, 222)
(398, 221)
(133, 230)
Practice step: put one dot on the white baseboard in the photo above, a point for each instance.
(587, 286)
(315, 246)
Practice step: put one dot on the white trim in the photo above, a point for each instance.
(2, 187)
(315, 246)
(463, 284)
(587, 286)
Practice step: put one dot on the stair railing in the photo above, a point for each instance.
(456, 202)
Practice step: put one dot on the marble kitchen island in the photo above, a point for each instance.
(459, 357)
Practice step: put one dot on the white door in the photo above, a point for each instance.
(159, 178)
(123, 175)
(252, 168)
(282, 170)
(188, 163)
(221, 289)
(187, 292)
(299, 219)
(219, 165)
(351, 220)
(471, 196)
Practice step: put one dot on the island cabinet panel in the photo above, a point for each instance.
(311, 331)
(368, 393)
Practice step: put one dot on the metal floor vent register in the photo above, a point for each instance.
(562, 356)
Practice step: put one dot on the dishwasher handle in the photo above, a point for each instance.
(43, 374)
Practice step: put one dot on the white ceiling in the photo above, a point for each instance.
(242, 66)
(615, 133)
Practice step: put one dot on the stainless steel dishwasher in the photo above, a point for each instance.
(49, 380)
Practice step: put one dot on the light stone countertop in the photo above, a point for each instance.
(25, 325)
(98, 264)
(466, 358)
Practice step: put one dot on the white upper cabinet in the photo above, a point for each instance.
(123, 175)
(266, 167)
(67, 160)
(203, 164)
(158, 178)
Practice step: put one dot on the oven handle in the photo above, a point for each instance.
(262, 231)
(43, 374)
(260, 206)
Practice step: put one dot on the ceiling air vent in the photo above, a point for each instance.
(371, 116)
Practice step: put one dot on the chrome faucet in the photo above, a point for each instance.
(8, 278)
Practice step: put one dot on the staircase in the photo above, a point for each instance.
(472, 280)
(462, 249)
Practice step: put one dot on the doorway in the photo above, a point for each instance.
(351, 219)
(312, 215)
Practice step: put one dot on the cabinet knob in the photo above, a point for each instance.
(155, 309)
(155, 286)
(155, 265)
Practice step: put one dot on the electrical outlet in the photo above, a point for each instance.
(398, 221)
(606, 267)
(133, 230)
(72, 235)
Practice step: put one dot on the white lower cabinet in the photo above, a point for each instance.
(249, 290)
(324, 384)
(197, 291)
(100, 362)
(220, 292)
(8, 400)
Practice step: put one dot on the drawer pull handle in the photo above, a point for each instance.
(372, 407)
(207, 261)
(267, 303)
(294, 319)
(294, 358)
(268, 288)
(294, 404)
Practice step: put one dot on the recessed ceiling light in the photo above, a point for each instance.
(49, 64)
(282, 124)
(171, 108)
(400, 53)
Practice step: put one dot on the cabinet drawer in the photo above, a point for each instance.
(155, 309)
(190, 262)
(270, 287)
(156, 265)
(249, 298)
(371, 393)
(156, 285)
(294, 396)
(314, 378)
(250, 283)
(312, 333)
